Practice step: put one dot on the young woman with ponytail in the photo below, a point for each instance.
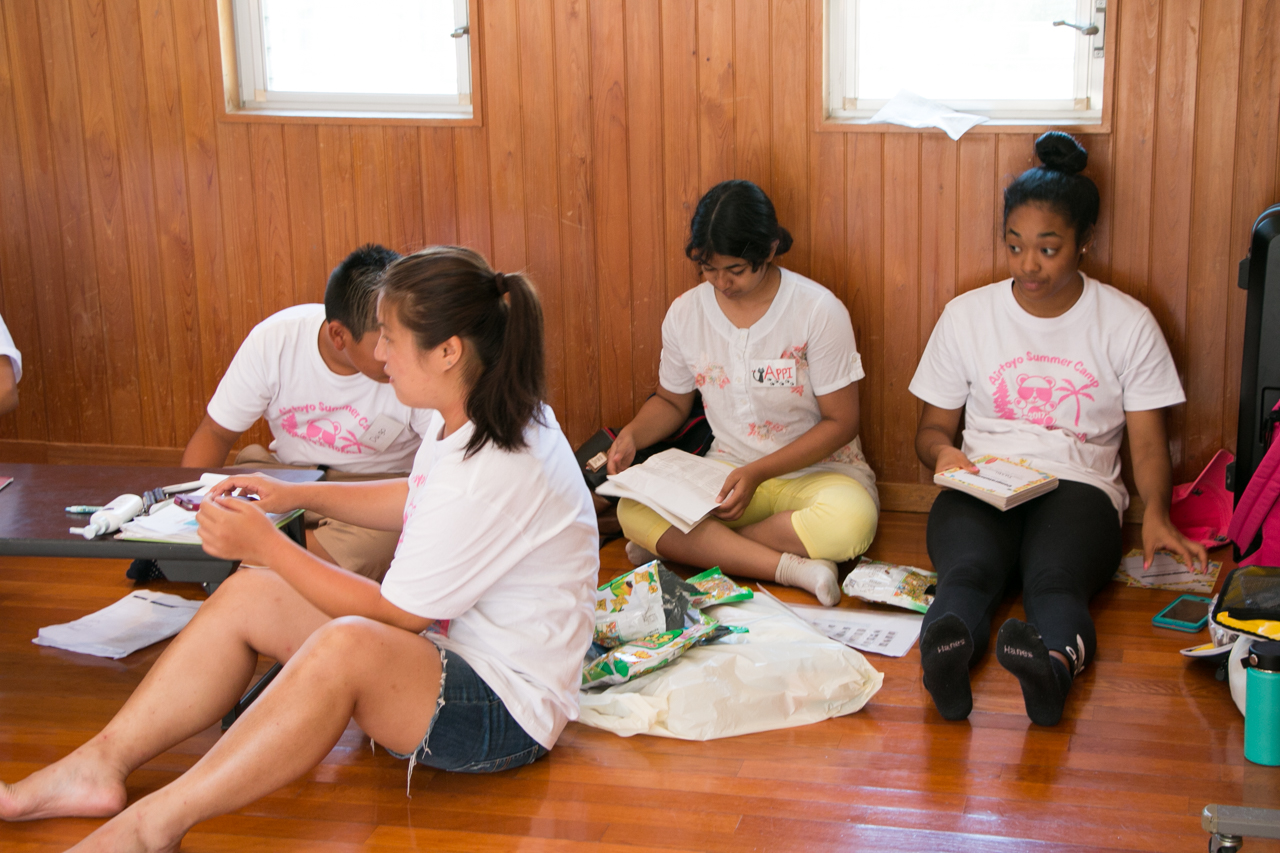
(466, 658)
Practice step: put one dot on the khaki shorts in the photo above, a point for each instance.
(357, 549)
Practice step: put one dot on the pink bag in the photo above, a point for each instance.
(1257, 510)
(1202, 510)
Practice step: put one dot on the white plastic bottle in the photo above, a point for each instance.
(110, 517)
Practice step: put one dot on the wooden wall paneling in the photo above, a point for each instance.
(439, 186)
(645, 192)
(129, 85)
(506, 151)
(1255, 173)
(901, 306)
(1171, 191)
(338, 192)
(17, 279)
(681, 182)
(715, 92)
(271, 208)
(1015, 153)
(1097, 261)
(1211, 268)
(577, 252)
(107, 219)
(864, 294)
(471, 160)
(939, 157)
(826, 212)
(979, 206)
(78, 284)
(1135, 97)
(405, 219)
(541, 187)
(611, 208)
(177, 261)
(790, 167)
(752, 102)
(195, 46)
(369, 176)
(306, 222)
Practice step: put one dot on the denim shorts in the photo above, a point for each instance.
(471, 731)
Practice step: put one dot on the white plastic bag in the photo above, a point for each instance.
(781, 673)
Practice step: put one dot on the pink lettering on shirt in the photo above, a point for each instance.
(326, 428)
(1056, 391)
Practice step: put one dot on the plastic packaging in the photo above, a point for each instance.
(715, 588)
(650, 600)
(886, 583)
(634, 659)
(110, 517)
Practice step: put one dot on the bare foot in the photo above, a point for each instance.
(78, 785)
(129, 832)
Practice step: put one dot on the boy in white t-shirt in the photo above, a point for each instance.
(311, 372)
(10, 370)
(1050, 367)
(774, 358)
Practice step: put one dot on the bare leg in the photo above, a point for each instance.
(387, 678)
(197, 680)
(752, 551)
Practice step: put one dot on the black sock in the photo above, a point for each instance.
(946, 647)
(1044, 685)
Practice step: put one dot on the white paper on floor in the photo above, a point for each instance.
(875, 631)
(134, 622)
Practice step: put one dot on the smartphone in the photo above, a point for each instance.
(1188, 613)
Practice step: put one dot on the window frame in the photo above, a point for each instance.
(344, 108)
(1006, 117)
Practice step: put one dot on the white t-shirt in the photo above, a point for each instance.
(505, 547)
(759, 384)
(8, 348)
(1049, 390)
(316, 416)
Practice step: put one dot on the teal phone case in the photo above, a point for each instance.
(1161, 621)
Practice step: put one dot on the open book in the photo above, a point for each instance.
(1002, 483)
(680, 487)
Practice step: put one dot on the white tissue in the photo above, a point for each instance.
(909, 109)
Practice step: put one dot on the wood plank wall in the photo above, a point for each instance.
(142, 234)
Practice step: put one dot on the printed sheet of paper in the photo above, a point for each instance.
(889, 634)
(679, 486)
(1167, 571)
(136, 621)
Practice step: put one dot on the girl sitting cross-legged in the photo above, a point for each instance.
(466, 658)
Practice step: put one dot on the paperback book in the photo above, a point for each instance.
(1003, 483)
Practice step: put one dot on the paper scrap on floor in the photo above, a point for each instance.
(1167, 571)
(889, 634)
(134, 622)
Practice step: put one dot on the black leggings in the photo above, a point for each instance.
(1063, 546)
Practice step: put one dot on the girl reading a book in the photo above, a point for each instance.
(466, 658)
(773, 356)
(1049, 368)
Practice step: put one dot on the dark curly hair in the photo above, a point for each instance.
(1058, 184)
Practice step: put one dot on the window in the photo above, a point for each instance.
(1001, 58)
(389, 58)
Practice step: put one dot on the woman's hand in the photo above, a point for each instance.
(736, 493)
(1159, 534)
(273, 495)
(234, 529)
(622, 452)
(952, 457)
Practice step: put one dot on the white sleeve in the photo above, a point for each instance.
(1149, 379)
(247, 387)
(674, 371)
(9, 348)
(834, 362)
(939, 379)
(454, 549)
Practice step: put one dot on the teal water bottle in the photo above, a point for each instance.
(1262, 703)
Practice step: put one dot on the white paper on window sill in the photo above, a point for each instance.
(134, 622)
(911, 110)
(889, 634)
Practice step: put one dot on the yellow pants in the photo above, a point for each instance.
(833, 515)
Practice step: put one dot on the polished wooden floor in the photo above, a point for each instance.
(1149, 738)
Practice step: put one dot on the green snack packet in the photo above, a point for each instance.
(715, 588)
(647, 601)
(886, 583)
(638, 657)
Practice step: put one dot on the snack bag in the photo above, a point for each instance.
(647, 601)
(885, 583)
(638, 657)
(715, 588)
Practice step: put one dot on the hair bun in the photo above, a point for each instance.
(1059, 152)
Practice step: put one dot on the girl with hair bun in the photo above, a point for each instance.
(466, 658)
(773, 356)
(1052, 367)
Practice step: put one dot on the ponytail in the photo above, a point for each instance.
(444, 291)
